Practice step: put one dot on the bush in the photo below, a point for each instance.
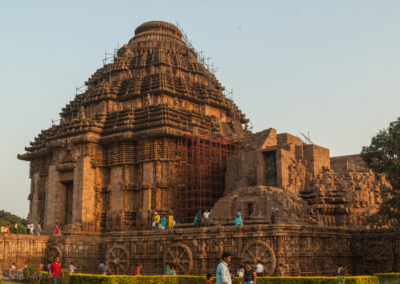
(143, 279)
(388, 278)
(31, 274)
(361, 280)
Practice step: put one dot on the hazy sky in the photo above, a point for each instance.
(330, 68)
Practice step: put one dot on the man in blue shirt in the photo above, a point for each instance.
(223, 275)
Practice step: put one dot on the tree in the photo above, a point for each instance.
(383, 156)
(11, 219)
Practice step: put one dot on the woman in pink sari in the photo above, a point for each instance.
(56, 230)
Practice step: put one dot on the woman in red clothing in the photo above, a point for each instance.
(138, 267)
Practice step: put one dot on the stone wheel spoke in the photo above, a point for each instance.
(171, 254)
(181, 268)
(182, 254)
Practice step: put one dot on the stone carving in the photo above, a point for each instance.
(261, 251)
(378, 257)
(179, 255)
(52, 252)
(118, 260)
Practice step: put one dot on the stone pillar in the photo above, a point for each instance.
(84, 193)
(147, 191)
(50, 199)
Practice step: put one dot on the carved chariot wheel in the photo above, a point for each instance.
(117, 260)
(180, 256)
(261, 251)
(52, 252)
(378, 258)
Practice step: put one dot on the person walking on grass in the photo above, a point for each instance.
(55, 271)
(249, 275)
(223, 275)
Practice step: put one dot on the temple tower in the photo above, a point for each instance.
(150, 134)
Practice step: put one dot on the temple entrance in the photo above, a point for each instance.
(270, 168)
(69, 186)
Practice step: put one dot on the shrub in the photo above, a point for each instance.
(361, 280)
(31, 274)
(388, 278)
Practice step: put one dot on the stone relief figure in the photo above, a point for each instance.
(82, 113)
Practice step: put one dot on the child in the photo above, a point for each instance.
(209, 279)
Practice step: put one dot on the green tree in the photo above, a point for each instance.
(11, 219)
(383, 156)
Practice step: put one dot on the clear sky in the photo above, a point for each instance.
(330, 68)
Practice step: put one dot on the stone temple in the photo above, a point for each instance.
(155, 132)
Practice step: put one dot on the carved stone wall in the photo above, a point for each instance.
(21, 250)
(303, 250)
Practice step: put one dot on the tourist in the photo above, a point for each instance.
(8, 229)
(238, 219)
(56, 230)
(163, 222)
(71, 267)
(13, 267)
(199, 215)
(38, 230)
(259, 268)
(157, 220)
(240, 273)
(102, 267)
(209, 279)
(138, 268)
(56, 270)
(249, 275)
(340, 272)
(272, 215)
(2, 229)
(173, 271)
(279, 270)
(345, 271)
(31, 229)
(195, 220)
(16, 228)
(27, 229)
(223, 275)
(206, 217)
(167, 270)
(171, 222)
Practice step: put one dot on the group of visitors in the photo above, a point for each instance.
(249, 271)
(170, 270)
(31, 229)
(160, 222)
(202, 219)
(5, 229)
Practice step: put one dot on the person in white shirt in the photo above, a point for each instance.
(206, 217)
(259, 268)
(71, 268)
(223, 275)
